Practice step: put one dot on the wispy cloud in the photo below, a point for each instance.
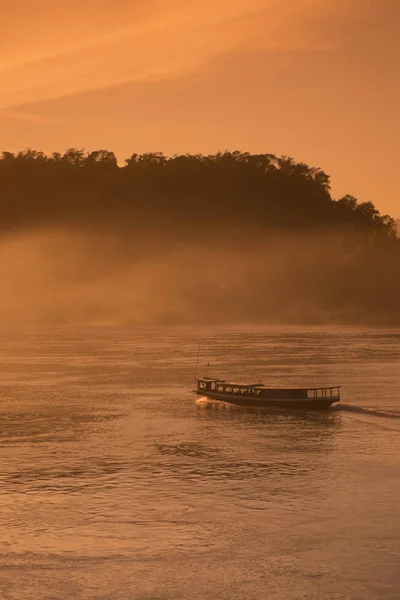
(172, 39)
(19, 114)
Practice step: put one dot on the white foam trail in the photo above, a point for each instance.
(376, 412)
(205, 402)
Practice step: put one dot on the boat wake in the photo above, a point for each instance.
(208, 403)
(375, 412)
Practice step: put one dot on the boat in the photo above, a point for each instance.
(261, 396)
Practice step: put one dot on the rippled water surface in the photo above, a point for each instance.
(117, 484)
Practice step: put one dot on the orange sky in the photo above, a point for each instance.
(315, 79)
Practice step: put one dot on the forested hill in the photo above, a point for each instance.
(230, 237)
(232, 188)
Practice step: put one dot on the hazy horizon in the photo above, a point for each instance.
(81, 278)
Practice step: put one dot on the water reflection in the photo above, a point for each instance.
(124, 484)
(192, 449)
(304, 424)
(61, 424)
(63, 478)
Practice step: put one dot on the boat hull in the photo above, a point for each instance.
(299, 403)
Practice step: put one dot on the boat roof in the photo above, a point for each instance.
(237, 384)
(262, 385)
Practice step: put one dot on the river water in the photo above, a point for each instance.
(117, 483)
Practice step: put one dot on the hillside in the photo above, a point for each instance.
(227, 189)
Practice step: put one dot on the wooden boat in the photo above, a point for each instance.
(258, 395)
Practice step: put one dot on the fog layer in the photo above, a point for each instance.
(71, 277)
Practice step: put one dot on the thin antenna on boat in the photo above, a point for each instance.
(197, 365)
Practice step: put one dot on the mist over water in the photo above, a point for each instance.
(82, 277)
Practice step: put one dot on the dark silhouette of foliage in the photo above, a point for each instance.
(236, 188)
